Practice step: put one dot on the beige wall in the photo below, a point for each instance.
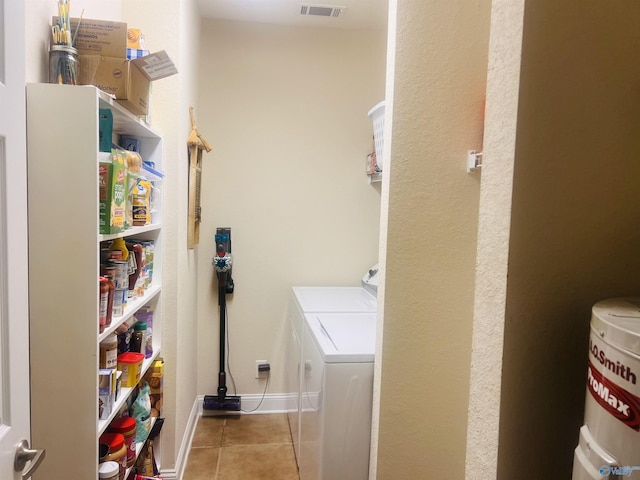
(439, 82)
(173, 26)
(285, 110)
(574, 237)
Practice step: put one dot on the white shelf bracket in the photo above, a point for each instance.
(474, 161)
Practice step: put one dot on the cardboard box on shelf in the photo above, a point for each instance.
(102, 54)
(98, 37)
(127, 80)
(112, 197)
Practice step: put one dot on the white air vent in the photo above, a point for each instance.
(322, 10)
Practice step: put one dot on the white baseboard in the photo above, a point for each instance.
(185, 446)
(251, 404)
(270, 403)
(169, 474)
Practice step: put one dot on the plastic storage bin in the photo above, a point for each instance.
(377, 115)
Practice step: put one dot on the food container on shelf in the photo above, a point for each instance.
(117, 451)
(130, 364)
(109, 471)
(127, 427)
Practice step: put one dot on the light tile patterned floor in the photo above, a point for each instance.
(242, 447)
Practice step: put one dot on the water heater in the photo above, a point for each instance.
(609, 443)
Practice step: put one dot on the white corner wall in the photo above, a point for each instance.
(439, 91)
(503, 82)
(384, 224)
(285, 110)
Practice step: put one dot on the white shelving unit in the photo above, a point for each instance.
(64, 258)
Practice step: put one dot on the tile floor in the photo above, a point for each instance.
(242, 447)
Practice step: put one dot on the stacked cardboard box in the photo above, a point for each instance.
(102, 54)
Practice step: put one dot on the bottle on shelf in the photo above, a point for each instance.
(145, 314)
(139, 337)
(109, 352)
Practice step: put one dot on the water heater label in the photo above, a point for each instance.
(620, 403)
(599, 354)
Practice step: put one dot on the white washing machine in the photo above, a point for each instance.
(337, 395)
(609, 444)
(309, 300)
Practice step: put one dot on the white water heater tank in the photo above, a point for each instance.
(609, 443)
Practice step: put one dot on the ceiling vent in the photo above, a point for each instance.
(322, 10)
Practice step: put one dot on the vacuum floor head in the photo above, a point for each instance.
(215, 405)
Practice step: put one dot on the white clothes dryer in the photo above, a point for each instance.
(306, 300)
(337, 396)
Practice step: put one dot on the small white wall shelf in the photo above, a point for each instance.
(474, 161)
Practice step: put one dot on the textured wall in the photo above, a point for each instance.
(439, 82)
(285, 110)
(503, 81)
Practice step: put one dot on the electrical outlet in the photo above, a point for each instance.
(260, 374)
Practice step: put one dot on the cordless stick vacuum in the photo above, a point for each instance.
(222, 403)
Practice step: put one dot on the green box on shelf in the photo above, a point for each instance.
(113, 195)
(105, 124)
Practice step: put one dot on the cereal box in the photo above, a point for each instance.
(106, 392)
(113, 193)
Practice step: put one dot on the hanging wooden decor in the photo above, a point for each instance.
(195, 145)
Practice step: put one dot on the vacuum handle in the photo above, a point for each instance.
(223, 261)
(222, 302)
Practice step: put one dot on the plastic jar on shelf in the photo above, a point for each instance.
(109, 471)
(117, 451)
(127, 427)
(109, 352)
(103, 451)
(63, 65)
(130, 364)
